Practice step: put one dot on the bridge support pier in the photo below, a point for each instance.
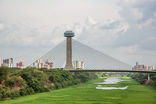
(149, 76)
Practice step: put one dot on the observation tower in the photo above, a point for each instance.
(69, 35)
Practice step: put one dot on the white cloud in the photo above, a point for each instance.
(130, 1)
(119, 27)
(136, 14)
(102, 33)
(1, 26)
(22, 35)
(77, 28)
(122, 28)
(146, 23)
(137, 11)
(90, 21)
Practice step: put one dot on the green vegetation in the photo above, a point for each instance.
(86, 93)
(15, 83)
(142, 79)
(20, 82)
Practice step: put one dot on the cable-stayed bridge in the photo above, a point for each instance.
(112, 70)
(95, 61)
(92, 58)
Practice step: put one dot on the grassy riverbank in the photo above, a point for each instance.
(88, 94)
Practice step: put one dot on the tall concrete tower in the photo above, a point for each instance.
(69, 35)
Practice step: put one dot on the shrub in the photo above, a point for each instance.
(69, 82)
(43, 89)
(51, 78)
(153, 77)
(65, 83)
(82, 76)
(23, 92)
(10, 83)
(141, 78)
(4, 73)
(152, 83)
(4, 92)
(76, 81)
(35, 85)
(26, 91)
(14, 94)
(29, 91)
(31, 82)
(19, 81)
(52, 87)
(56, 77)
(58, 85)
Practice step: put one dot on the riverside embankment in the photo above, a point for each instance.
(87, 93)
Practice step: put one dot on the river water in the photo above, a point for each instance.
(111, 81)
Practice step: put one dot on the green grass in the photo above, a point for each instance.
(87, 94)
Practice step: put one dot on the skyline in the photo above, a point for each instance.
(126, 28)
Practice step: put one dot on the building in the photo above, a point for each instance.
(20, 65)
(142, 67)
(151, 68)
(8, 62)
(78, 64)
(47, 64)
(38, 64)
(139, 67)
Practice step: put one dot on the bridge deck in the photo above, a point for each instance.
(106, 70)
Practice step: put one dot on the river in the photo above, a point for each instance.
(113, 90)
(112, 80)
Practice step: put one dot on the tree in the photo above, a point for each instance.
(4, 73)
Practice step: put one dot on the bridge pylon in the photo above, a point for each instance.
(69, 65)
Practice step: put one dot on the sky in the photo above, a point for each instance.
(123, 29)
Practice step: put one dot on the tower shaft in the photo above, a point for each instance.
(69, 65)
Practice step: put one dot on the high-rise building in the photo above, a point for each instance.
(142, 67)
(20, 65)
(47, 64)
(139, 67)
(151, 68)
(8, 62)
(78, 64)
(38, 64)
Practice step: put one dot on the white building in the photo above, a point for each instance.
(47, 64)
(8, 62)
(151, 68)
(38, 64)
(78, 64)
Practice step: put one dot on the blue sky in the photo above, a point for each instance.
(124, 29)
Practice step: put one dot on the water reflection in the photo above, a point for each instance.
(112, 80)
(112, 88)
